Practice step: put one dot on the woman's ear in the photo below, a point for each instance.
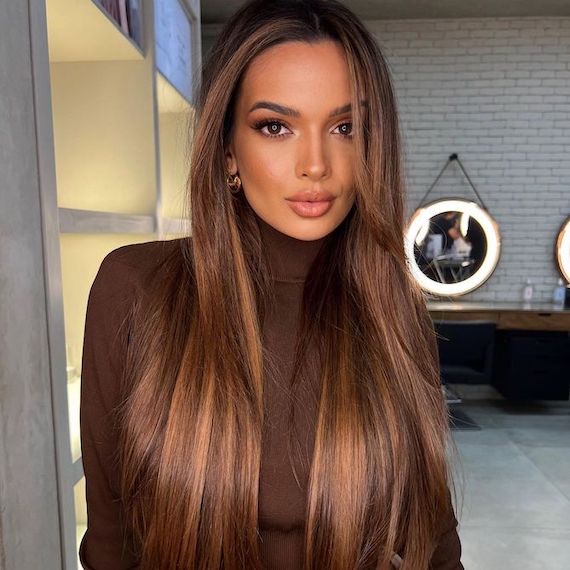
(231, 162)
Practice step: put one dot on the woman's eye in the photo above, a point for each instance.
(345, 132)
(273, 128)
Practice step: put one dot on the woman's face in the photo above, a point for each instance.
(291, 135)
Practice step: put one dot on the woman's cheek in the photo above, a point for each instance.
(273, 167)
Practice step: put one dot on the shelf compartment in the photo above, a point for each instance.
(175, 118)
(104, 136)
(83, 31)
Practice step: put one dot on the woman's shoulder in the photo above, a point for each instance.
(130, 268)
(144, 257)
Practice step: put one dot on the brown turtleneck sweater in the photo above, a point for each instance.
(281, 499)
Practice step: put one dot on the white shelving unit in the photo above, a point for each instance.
(113, 144)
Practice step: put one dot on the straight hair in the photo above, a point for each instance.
(192, 423)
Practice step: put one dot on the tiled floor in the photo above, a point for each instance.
(516, 494)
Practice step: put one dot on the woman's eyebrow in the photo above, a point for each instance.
(290, 112)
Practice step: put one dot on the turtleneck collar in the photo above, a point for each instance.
(290, 258)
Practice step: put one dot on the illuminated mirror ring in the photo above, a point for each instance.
(467, 213)
(562, 252)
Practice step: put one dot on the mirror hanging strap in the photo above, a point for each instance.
(453, 157)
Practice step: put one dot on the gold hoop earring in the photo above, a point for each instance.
(233, 182)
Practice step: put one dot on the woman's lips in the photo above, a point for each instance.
(310, 209)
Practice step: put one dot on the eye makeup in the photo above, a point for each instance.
(262, 123)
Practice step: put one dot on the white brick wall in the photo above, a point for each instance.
(497, 92)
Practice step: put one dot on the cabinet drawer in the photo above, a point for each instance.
(534, 321)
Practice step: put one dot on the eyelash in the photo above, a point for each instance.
(264, 122)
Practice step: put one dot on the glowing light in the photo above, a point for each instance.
(419, 226)
(563, 250)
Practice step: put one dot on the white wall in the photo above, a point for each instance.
(497, 92)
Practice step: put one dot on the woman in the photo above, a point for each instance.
(266, 393)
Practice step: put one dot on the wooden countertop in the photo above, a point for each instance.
(507, 315)
(495, 306)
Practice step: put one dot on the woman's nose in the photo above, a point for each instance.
(313, 157)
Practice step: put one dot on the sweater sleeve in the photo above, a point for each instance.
(107, 544)
(447, 555)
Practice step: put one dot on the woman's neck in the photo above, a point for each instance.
(290, 258)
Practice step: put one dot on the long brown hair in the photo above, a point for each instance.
(192, 423)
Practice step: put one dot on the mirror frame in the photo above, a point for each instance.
(562, 250)
(490, 228)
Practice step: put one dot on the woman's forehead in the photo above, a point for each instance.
(298, 75)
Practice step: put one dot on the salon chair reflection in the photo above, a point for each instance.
(452, 249)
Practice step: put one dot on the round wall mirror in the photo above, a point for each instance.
(453, 246)
(562, 250)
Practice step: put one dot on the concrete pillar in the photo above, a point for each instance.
(29, 512)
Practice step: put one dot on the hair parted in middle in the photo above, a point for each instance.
(192, 424)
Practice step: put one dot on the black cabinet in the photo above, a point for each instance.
(532, 364)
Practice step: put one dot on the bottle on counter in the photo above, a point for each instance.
(527, 291)
(559, 294)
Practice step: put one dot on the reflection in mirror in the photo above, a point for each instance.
(453, 246)
(562, 252)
